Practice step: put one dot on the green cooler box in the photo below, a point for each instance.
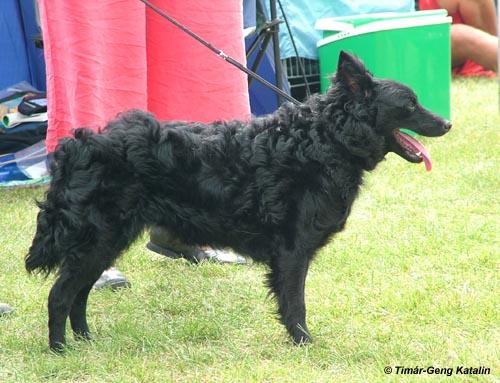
(413, 48)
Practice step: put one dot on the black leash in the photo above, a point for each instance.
(221, 54)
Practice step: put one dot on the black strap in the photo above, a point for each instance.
(229, 59)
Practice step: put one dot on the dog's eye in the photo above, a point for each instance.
(411, 106)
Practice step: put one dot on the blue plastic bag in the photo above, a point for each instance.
(26, 164)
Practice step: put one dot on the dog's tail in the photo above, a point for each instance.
(46, 252)
(43, 255)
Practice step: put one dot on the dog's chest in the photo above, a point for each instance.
(335, 202)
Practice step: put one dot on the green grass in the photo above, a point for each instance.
(413, 280)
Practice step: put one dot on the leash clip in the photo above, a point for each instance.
(223, 55)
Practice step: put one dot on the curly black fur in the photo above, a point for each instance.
(275, 188)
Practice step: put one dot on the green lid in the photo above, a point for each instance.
(333, 25)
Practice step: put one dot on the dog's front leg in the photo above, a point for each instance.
(287, 281)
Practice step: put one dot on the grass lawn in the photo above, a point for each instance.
(412, 281)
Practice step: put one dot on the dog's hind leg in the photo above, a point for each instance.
(78, 313)
(287, 282)
(68, 297)
(61, 298)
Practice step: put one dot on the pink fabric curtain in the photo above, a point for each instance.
(112, 55)
(187, 81)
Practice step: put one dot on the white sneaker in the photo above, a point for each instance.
(224, 256)
(113, 279)
(5, 309)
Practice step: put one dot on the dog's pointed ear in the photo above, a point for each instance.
(352, 74)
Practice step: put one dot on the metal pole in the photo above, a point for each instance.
(300, 61)
(276, 49)
(259, 57)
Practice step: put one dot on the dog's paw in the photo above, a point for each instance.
(82, 335)
(57, 347)
(300, 335)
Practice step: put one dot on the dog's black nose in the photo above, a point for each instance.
(447, 125)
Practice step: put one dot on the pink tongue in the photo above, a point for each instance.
(418, 148)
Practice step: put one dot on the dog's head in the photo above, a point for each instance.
(375, 111)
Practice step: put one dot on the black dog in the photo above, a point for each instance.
(275, 188)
